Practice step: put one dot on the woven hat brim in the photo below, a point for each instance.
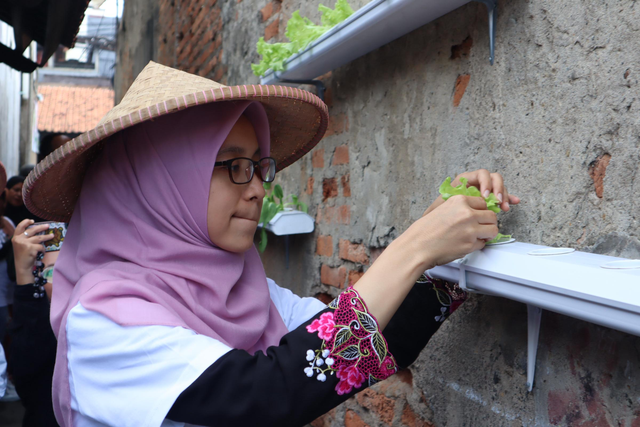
(297, 120)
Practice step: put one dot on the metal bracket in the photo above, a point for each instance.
(534, 314)
(492, 8)
(320, 87)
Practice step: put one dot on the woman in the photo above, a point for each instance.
(162, 310)
(33, 344)
(15, 209)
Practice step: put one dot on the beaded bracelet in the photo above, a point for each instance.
(39, 281)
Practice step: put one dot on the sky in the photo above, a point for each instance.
(110, 7)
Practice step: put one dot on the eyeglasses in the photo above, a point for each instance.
(241, 169)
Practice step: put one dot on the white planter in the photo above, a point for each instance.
(597, 288)
(372, 26)
(290, 222)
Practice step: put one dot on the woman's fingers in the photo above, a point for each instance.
(42, 238)
(497, 187)
(22, 226)
(476, 203)
(487, 232)
(485, 182)
(487, 217)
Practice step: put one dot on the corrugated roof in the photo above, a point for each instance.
(72, 109)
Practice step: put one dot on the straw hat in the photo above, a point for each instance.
(297, 119)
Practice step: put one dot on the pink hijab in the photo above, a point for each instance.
(138, 250)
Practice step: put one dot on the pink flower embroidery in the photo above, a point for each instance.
(350, 374)
(324, 325)
(353, 348)
(343, 387)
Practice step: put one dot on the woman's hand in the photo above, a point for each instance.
(454, 229)
(447, 231)
(487, 183)
(26, 249)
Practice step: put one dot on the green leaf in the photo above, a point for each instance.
(301, 31)
(447, 191)
(304, 208)
(379, 346)
(263, 240)
(295, 200)
(266, 185)
(332, 17)
(500, 238)
(273, 56)
(277, 191)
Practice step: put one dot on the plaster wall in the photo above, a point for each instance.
(558, 115)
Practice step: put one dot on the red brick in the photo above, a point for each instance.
(463, 49)
(344, 215)
(411, 419)
(219, 72)
(353, 252)
(461, 86)
(327, 419)
(378, 403)
(324, 246)
(310, 183)
(329, 188)
(597, 170)
(317, 158)
(333, 276)
(324, 297)
(354, 276)
(337, 124)
(346, 186)
(326, 214)
(184, 53)
(351, 419)
(272, 30)
(341, 155)
(269, 10)
(328, 97)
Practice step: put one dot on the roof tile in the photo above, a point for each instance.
(72, 109)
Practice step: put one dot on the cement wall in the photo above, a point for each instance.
(9, 109)
(558, 115)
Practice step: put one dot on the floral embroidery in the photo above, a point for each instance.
(449, 295)
(352, 348)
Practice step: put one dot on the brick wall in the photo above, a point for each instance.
(557, 115)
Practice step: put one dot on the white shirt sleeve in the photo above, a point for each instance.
(293, 309)
(131, 375)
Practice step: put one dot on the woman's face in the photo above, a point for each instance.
(234, 209)
(14, 195)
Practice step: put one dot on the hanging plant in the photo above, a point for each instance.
(273, 203)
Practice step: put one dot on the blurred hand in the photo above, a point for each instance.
(487, 183)
(26, 249)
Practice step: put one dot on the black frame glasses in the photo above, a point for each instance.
(266, 167)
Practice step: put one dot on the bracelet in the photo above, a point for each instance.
(39, 281)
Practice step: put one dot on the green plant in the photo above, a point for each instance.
(493, 204)
(273, 203)
(300, 32)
